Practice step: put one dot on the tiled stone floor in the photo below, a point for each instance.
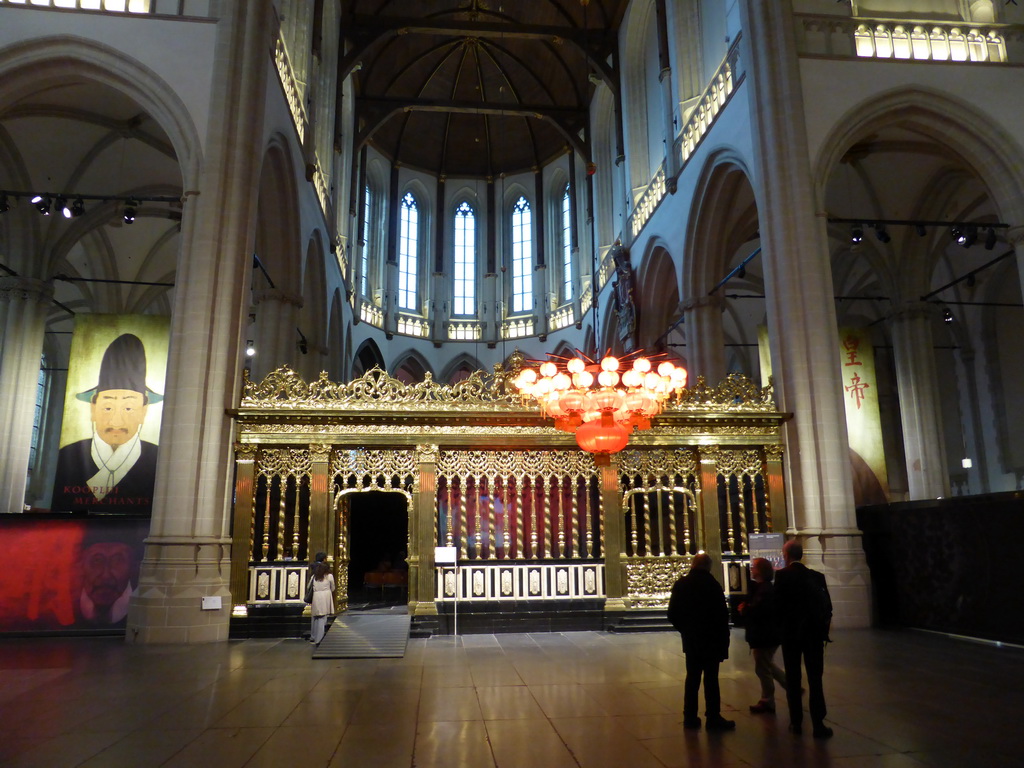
(896, 700)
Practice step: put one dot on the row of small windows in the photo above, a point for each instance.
(464, 268)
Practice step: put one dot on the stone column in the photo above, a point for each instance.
(188, 551)
(920, 407)
(23, 305)
(705, 339)
(801, 312)
(1015, 236)
(277, 317)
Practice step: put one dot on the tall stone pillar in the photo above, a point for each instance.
(277, 317)
(705, 339)
(188, 551)
(801, 312)
(1015, 236)
(23, 305)
(920, 408)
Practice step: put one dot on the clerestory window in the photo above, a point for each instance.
(464, 297)
(522, 257)
(408, 255)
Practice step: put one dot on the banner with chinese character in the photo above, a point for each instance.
(70, 574)
(112, 410)
(863, 421)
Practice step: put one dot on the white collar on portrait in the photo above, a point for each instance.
(113, 463)
(117, 611)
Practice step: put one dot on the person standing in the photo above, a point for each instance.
(323, 600)
(762, 633)
(697, 609)
(805, 611)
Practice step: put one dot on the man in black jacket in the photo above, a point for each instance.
(697, 609)
(805, 610)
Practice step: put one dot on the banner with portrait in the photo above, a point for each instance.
(112, 413)
(69, 574)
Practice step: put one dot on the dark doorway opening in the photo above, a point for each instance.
(378, 571)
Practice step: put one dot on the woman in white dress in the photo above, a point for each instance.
(323, 600)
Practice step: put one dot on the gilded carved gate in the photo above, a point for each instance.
(531, 517)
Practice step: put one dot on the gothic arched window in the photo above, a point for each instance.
(522, 257)
(566, 246)
(408, 255)
(364, 260)
(464, 294)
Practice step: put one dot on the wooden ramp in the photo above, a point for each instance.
(365, 636)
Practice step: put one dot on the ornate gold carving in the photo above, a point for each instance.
(427, 453)
(649, 580)
(516, 463)
(743, 462)
(374, 462)
(282, 462)
(735, 393)
(319, 451)
(658, 462)
(245, 451)
(773, 452)
(284, 388)
(395, 430)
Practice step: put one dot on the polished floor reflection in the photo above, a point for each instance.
(587, 699)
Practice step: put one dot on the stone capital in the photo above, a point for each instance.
(275, 294)
(700, 302)
(25, 289)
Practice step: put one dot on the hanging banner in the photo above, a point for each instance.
(863, 420)
(69, 574)
(112, 413)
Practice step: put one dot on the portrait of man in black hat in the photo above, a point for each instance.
(114, 469)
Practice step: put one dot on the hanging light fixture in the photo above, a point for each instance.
(598, 403)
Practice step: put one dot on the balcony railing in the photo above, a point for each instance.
(563, 318)
(917, 40)
(371, 314)
(464, 331)
(413, 326)
(114, 6)
(517, 329)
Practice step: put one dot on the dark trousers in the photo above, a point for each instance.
(813, 654)
(698, 667)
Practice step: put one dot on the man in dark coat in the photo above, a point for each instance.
(697, 609)
(805, 610)
(114, 470)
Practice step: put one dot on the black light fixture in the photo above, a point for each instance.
(129, 211)
(970, 236)
(990, 239)
(881, 234)
(250, 348)
(61, 204)
(856, 234)
(303, 344)
(4, 205)
(971, 280)
(42, 204)
(921, 231)
(742, 271)
(957, 234)
(947, 316)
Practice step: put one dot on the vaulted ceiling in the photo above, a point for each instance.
(477, 88)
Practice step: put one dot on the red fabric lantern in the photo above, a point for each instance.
(602, 437)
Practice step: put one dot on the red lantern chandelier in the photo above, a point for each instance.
(597, 402)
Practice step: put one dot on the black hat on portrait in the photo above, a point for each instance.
(123, 367)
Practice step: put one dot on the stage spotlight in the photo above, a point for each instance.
(129, 211)
(742, 271)
(957, 234)
(970, 281)
(921, 231)
(250, 348)
(42, 204)
(990, 239)
(856, 234)
(4, 205)
(970, 236)
(947, 316)
(881, 234)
